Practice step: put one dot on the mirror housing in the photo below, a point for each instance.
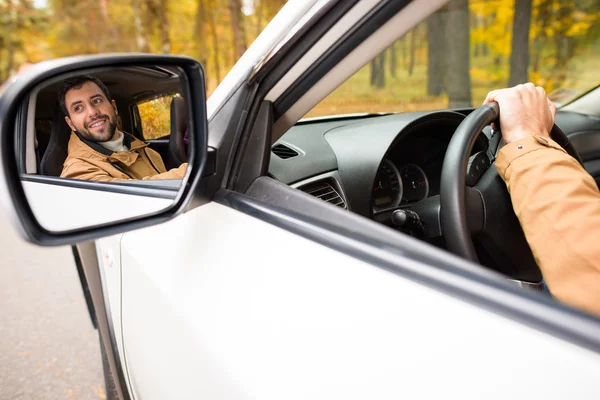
(14, 102)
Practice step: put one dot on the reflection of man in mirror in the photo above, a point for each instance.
(98, 150)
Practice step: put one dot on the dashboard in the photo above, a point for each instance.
(375, 163)
(388, 168)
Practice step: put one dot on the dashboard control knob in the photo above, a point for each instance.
(409, 220)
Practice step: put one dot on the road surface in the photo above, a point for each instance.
(48, 346)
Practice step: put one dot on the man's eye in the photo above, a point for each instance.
(97, 101)
(78, 109)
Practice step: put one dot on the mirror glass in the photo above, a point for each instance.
(104, 145)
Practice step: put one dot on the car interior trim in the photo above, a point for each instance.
(29, 144)
(586, 104)
(331, 176)
(346, 232)
(255, 161)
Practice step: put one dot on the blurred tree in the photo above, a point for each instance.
(457, 31)
(378, 71)
(158, 14)
(140, 30)
(9, 39)
(22, 35)
(411, 54)
(212, 15)
(436, 53)
(393, 60)
(519, 57)
(237, 28)
(200, 32)
(542, 21)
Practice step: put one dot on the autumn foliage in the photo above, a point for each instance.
(453, 59)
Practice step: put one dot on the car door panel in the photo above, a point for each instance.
(241, 308)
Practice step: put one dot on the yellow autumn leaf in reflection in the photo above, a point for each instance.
(156, 117)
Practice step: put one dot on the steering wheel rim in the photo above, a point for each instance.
(453, 188)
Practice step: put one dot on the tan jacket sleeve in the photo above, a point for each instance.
(175, 173)
(558, 205)
(88, 172)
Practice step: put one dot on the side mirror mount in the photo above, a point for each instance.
(117, 162)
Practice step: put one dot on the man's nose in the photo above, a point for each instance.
(93, 111)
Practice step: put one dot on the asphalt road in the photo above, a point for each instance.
(48, 346)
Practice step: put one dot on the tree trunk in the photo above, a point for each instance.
(436, 50)
(200, 32)
(237, 27)
(381, 75)
(411, 55)
(140, 32)
(393, 60)
(216, 51)
(164, 27)
(378, 71)
(457, 34)
(562, 43)
(9, 39)
(373, 70)
(403, 47)
(258, 10)
(519, 57)
(543, 19)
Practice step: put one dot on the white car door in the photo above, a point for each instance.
(244, 299)
(248, 288)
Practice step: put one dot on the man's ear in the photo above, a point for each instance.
(68, 121)
(115, 106)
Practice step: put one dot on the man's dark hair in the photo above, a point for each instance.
(76, 83)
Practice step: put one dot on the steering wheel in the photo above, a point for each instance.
(483, 213)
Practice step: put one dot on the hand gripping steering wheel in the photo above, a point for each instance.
(478, 222)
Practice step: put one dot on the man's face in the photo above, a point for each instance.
(90, 113)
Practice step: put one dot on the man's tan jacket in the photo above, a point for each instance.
(558, 205)
(89, 161)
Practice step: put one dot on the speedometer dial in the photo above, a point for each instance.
(416, 185)
(387, 189)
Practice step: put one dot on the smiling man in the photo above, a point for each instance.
(98, 150)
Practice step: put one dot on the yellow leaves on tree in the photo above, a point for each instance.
(156, 117)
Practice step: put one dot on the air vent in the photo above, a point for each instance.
(283, 151)
(325, 191)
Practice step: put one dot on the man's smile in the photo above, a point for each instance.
(98, 123)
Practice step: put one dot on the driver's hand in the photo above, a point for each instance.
(525, 110)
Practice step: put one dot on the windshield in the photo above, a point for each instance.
(470, 47)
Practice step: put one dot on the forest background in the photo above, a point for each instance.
(451, 59)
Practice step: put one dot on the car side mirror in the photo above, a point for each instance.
(92, 146)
